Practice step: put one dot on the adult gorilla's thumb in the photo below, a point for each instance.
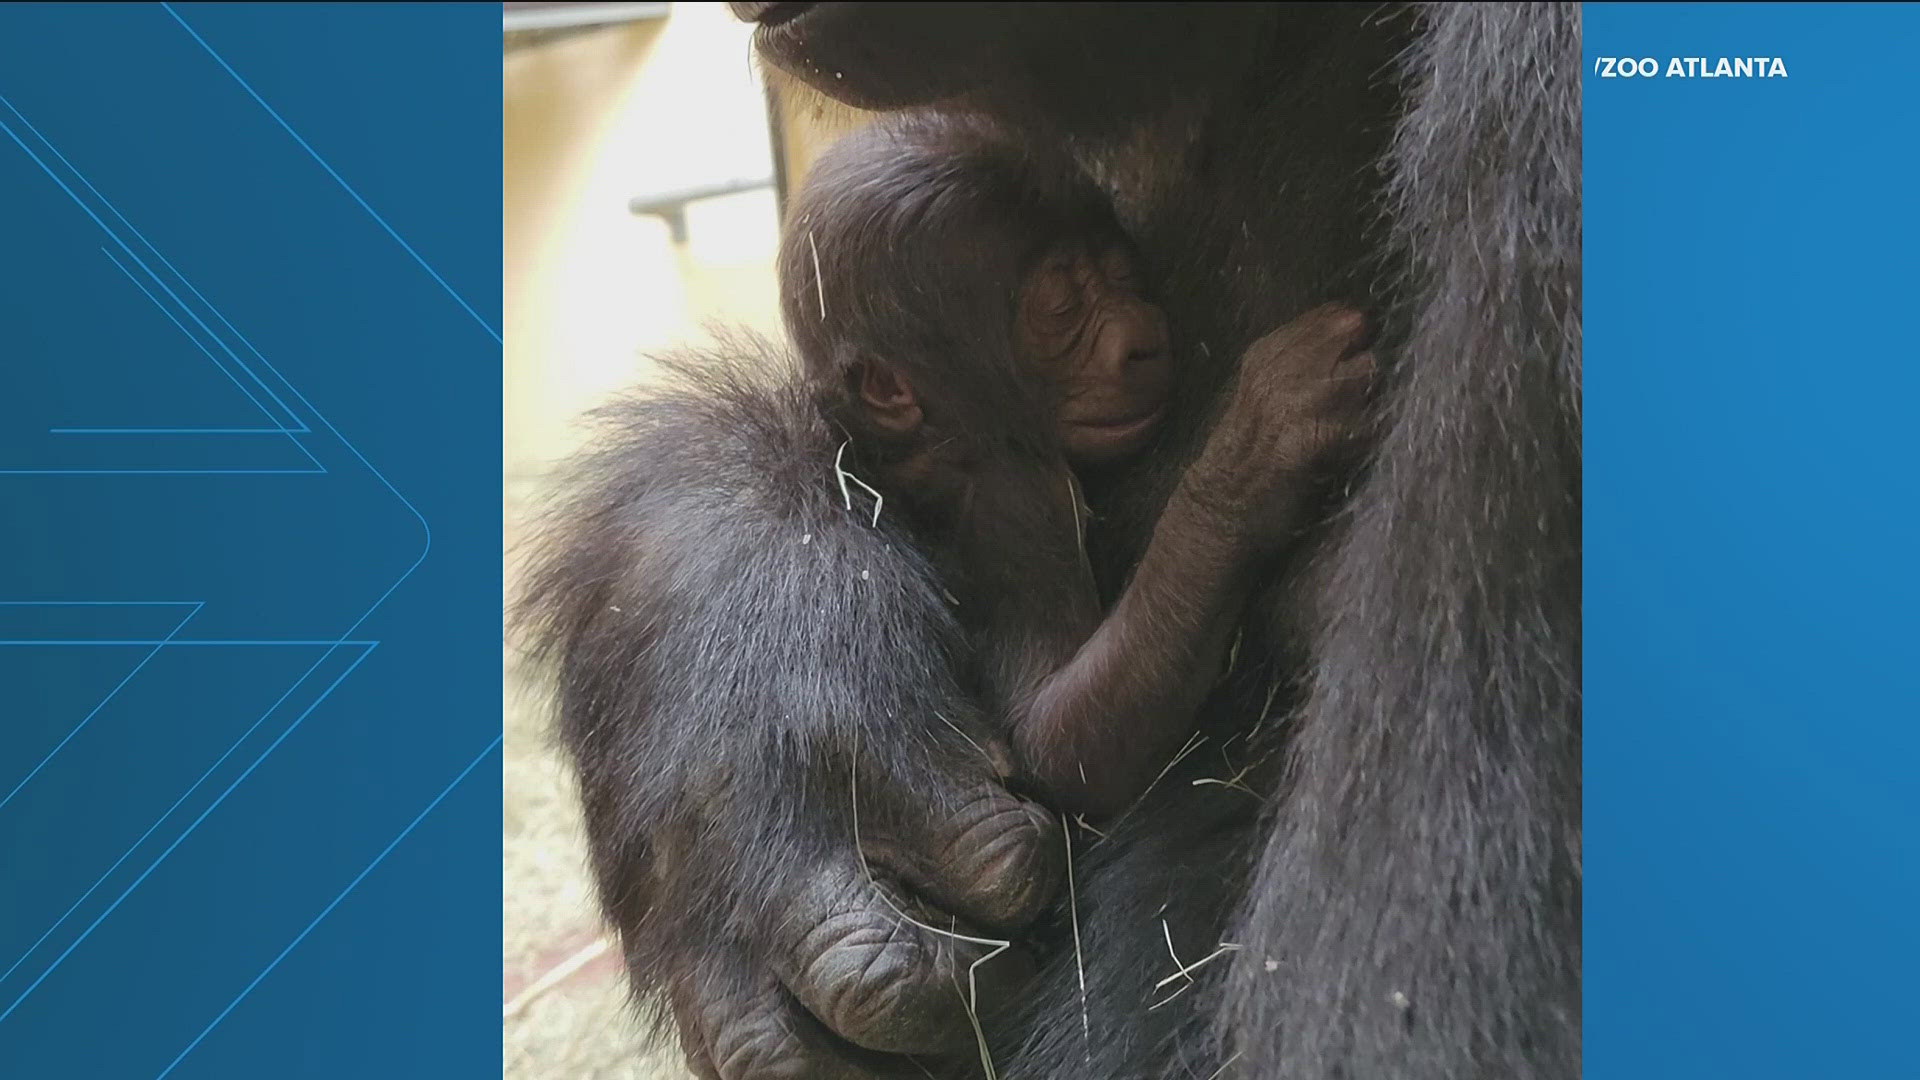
(980, 853)
(884, 972)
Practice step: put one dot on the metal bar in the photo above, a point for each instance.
(671, 206)
(668, 201)
(777, 142)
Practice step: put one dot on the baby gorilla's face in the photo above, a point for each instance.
(1085, 328)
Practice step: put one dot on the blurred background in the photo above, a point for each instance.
(644, 161)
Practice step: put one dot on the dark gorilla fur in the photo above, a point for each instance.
(1420, 885)
(1402, 901)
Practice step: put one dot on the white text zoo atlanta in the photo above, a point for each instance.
(1691, 67)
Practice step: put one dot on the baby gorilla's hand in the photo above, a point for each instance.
(1303, 388)
(1300, 399)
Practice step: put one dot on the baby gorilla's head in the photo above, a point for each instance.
(948, 289)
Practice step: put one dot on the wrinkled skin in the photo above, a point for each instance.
(843, 960)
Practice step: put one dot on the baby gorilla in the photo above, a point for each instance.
(972, 318)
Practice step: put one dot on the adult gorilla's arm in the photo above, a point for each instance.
(739, 654)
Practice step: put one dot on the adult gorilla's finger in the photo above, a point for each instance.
(738, 1023)
(883, 974)
(985, 855)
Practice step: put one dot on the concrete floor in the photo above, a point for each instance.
(567, 1009)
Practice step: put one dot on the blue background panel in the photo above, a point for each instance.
(1752, 868)
(249, 576)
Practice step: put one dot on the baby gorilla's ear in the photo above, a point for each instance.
(887, 397)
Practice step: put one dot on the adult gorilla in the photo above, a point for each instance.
(1405, 900)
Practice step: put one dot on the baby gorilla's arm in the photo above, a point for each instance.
(1091, 732)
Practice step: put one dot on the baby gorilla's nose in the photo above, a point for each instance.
(1146, 342)
(1137, 338)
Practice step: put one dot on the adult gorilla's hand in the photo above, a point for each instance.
(857, 962)
(821, 902)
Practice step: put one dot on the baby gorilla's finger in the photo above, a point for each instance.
(738, 1023)
(1328, 326)
(883, 975)
(1360, 365)
(1312, 345)
(983, 854)
(1335, 331)
(1355, 379)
